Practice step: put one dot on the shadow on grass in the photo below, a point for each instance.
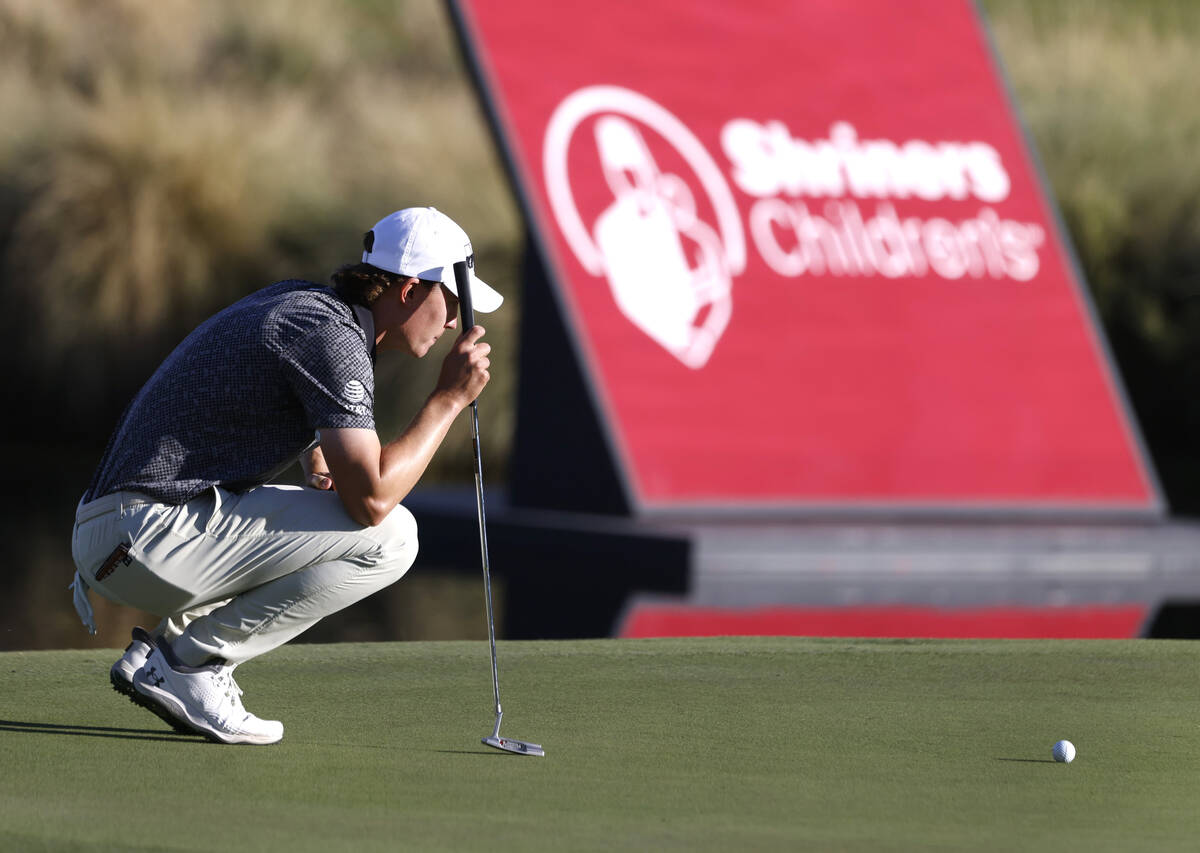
(22, 727)
(1030, 760)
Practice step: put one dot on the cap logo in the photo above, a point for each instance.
(369, 241)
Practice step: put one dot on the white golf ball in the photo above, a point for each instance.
(1064, 751)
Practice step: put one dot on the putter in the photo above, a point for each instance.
(462, 279)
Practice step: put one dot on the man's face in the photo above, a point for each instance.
(418, 315)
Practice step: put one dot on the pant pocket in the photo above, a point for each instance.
(118, 555)
(93, 541)
(133, 581)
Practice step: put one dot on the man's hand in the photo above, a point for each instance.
(316, 472)
(372, 479)
(465, 368)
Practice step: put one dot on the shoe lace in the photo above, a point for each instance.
(230, 689)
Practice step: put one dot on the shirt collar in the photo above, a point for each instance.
(367, 321)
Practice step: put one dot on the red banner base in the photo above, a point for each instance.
(1008, 622)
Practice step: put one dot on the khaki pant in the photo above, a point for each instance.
(236, 575)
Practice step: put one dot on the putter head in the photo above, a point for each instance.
(520, 747)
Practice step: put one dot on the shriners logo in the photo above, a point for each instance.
(671, 273)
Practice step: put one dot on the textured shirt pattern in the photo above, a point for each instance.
(242, 396)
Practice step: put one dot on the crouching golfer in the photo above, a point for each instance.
(177, 519)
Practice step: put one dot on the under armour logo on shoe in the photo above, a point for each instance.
(153, 677)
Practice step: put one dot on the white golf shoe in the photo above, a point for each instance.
(204, 698)
(121, 674)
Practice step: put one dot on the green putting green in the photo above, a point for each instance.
(706, 744)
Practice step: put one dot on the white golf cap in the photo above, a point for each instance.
(426, 243)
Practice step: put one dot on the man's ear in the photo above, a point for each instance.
(405, 290)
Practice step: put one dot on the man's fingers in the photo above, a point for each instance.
(465, 369)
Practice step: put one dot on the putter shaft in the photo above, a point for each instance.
(483, 547)
(462, 281)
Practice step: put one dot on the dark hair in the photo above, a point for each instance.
(361, 284)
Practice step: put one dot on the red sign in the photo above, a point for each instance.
(1011, 621)
(806, 254)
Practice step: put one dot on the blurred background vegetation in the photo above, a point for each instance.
(160, 159)
(1108, 89)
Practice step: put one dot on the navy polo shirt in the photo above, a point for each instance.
(242, 396)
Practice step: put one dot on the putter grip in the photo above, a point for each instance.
(462, 281)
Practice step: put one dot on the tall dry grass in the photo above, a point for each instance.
(1109, 90)
(159, 160)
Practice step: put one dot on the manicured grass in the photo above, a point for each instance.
(713, 744)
